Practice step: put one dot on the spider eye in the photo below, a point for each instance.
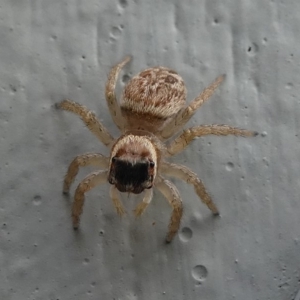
(114, 159)
(152, 164)
(110, 180)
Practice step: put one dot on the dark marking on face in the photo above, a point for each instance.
(170, 79)
(131, 177)
(145, 153)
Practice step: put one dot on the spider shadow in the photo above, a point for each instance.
(202, 225)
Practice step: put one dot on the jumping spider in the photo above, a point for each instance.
(152, 111)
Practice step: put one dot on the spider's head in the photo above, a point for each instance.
(133, 163)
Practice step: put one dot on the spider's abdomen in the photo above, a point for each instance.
(152, 97)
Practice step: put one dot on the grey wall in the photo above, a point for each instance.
(50, 50)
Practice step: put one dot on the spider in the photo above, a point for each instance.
(152, 110)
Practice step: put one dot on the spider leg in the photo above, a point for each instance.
(95, 159)
(184, 115)
(172, 195)
(141, 207)
(115, 197)
(184, 173)
(84, 186)
(89, 119)
(188, 135)
(110, 93)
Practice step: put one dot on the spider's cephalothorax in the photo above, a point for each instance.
(152, 110)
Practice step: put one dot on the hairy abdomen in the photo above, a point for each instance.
(151, 98)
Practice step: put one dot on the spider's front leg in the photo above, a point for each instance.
(172, 195)
(141, 207)
(110, 93)
(94, 159)
(84, 186)
(115, 197)
(188, 135)
(184, 173)
(89, 119)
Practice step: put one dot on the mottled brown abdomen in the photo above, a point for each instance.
(152, 97)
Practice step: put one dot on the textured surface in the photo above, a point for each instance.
(56, 49)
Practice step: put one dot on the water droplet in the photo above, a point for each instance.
(229, 166)
(123, 3)
(185, 234)
(37, 200)
(253, 49)
(199, 273)
(125, 78)
(264, 134)
(116, 32)
(86, 261)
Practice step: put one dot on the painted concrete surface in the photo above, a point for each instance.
(54, 49)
